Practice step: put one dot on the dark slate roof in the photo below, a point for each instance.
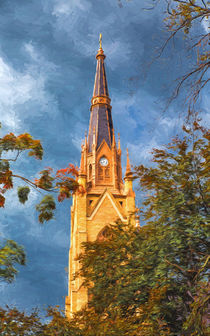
(100, 87)
(101, 116)
(101, 120)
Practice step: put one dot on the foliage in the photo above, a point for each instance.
(10, 253)
(181, 16)
(182, 13)
(23, 194)
(60, 183)
(59, 325)
(21, 143)
(197, 321)
(63, 182)
(149, 280)
(153, 280)
(46, 207)
(16, 323)
(187, 16)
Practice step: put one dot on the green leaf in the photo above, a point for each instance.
(23, 193)
(10, 254)
(46, 208)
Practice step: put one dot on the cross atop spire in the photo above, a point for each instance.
(100, 52)
(100, 41)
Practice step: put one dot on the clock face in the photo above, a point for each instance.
(103, 161)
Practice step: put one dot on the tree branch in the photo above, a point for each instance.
(18, 153)
(180, 268)
(202, 268)
(185, 77)
(201, 39)
(181, 27)
(204, 3)
(32, 183)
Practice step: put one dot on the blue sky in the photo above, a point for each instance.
(47, 69)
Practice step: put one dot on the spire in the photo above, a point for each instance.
(128, 166)
(100, 86)
(101, 117)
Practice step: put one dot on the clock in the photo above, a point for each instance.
(103, 161)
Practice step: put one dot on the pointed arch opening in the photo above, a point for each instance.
(104, 234)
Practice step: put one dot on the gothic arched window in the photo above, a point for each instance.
(107, 172)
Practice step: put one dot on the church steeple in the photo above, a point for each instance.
(105, 198)
(101, 117)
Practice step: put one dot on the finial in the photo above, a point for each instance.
(119, 141)
(128, 166)
(85, 139)
(113, 138)
(100, 52)
(100, 41)
(81, 170)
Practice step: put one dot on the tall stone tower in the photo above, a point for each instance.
(106, 197)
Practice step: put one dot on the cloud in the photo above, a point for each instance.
(77, 141)
(66, 7)
(24, 93)
(169, 126)
(16, 90)
(141, 153)
(141, 120)
(72, 17)
(12, 201)
(3, 227)
(12, 205)
(119, 52)
(137, 110)
(155, 136)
